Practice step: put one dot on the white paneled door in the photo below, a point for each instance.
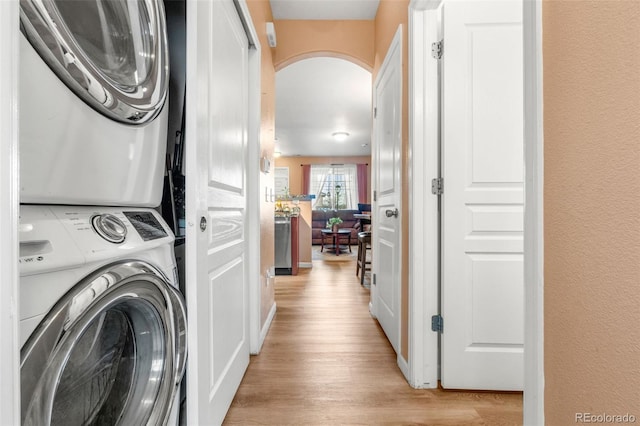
(482, 213)
(217, 288)
(385, 290)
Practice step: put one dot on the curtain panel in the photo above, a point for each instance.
(363, 194)
(306, 178)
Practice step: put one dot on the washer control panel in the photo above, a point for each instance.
(109, 227)
(146, 224)
(61, 237)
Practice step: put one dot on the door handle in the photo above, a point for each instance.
(203, 223)
(391, 213)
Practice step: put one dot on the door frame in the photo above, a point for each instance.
(256, 333)
(423, 206)
(423, 122)
(10, 200)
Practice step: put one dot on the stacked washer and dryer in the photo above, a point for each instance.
(102, 323)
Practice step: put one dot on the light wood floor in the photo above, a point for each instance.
(325, 361)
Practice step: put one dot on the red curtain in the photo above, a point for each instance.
(306, 178)
(363, 194)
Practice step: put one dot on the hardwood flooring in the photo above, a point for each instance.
(326, 361)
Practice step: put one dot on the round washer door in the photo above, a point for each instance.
(111, 351)
(112, 53)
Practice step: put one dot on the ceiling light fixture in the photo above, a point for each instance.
(340, 136)
(277, 154)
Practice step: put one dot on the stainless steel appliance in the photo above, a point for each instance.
(283, 245)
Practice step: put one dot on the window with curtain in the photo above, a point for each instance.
(335, 186)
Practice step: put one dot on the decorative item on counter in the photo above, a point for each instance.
(296, 206)
(334, 223)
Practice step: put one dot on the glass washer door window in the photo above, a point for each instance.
(111, 351)
(111, 53)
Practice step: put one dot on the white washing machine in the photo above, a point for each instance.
(102, 325)
(93, 89)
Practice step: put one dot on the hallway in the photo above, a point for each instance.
(326, 361)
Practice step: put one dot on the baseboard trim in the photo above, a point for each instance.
(305, 264)
(404, 367)
(265, 328)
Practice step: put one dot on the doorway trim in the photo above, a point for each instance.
(10, 200)
(423, 206)
(423, 121)
(533, 403)
(256, 334)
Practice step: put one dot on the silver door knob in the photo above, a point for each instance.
(203, 223)
(392, 213)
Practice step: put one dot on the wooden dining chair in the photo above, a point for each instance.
(362, 264)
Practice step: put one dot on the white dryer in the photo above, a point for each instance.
(93, 89)
(103, 327)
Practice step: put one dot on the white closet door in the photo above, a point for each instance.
(216, 280)
(482, 216)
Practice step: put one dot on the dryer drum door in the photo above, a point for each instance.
(111, 351)
(112, 53)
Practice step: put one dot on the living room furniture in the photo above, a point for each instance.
(336, 238)
(364, 215)
(364, 219)
(319, 222)
(362, 264)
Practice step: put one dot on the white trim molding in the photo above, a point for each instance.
(265, 328)
(533, 403)
(423, 206)
(253, 176)
(9, 200)
(403, 365)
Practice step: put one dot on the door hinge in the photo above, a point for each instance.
(437, 186)
(437, 323)
(374, 279)
(375, 195)
(437, 48)
(375, 112)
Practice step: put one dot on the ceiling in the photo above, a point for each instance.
(324, 9)
(320, 96)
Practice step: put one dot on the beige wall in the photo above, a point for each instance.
(295, 169)
(592, 208)
(351, 40)
(392, 13)
(260, 14)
